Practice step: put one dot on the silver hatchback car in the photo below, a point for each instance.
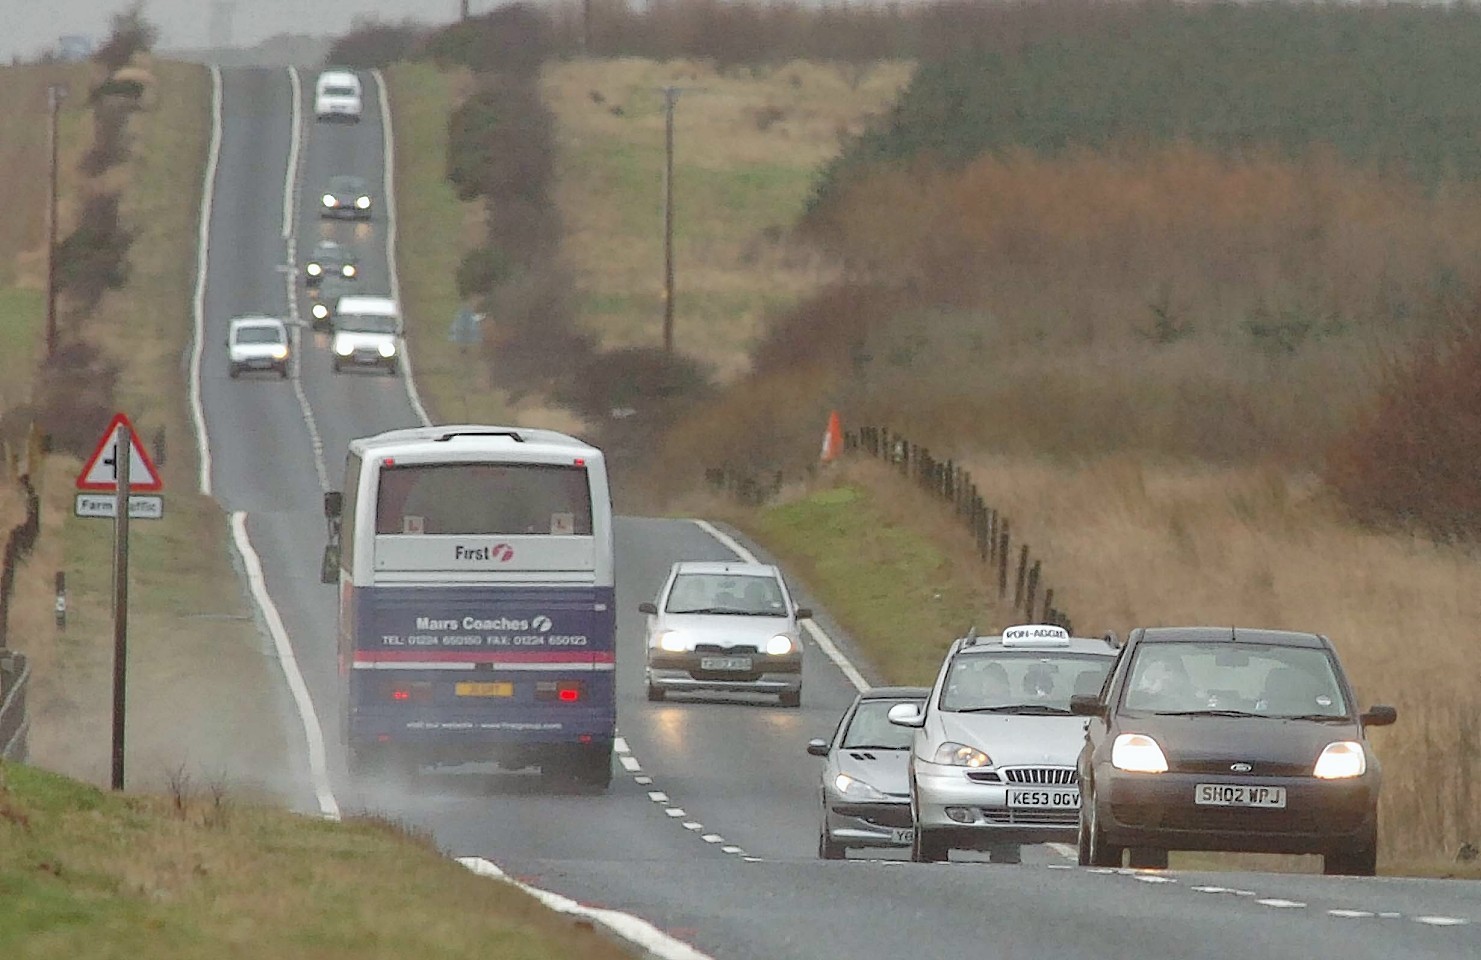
(729, 627)
(992, 765)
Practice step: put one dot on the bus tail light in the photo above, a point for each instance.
(419, 691)
(561, 691)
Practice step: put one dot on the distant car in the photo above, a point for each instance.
(330, 259)
(865, 789)
(367, 332)
(337, 96)
(992, 764)
(729, 627)
(1220, 738)
(324, 299)
(346, 196)
(257, 343)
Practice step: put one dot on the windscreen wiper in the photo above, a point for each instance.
(1029, 709)
(1215, 713)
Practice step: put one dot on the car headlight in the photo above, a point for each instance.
(328, 199)
(955, 754)
(1340, 760)
(855, 789)
(671, 641)
(314, 269)
(780, 645)
(348, 270)
(319, 311)
(363, 203)
(280, 353)
(388, 350)
(343, 347)
(1137, 753)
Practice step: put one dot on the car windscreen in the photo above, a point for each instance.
(727, 593)
(489, 499)
(340, 92)
(1261, 679)
(1002, 681)
(334, 254)
(258, 334)
(870, 728)
(346, 185)
(366, 323)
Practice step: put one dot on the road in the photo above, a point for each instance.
(710, 827)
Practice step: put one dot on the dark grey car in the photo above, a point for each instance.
(865, 790)
(346, 196)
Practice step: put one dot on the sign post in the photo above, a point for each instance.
(118, 466)
(121, 596)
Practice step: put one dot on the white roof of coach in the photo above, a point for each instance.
(424, 440)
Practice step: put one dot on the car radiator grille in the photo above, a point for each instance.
(1056, 818)
(1042, 776)
(728, 651)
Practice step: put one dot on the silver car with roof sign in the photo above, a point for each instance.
(728, 627)
(865, 790)
(993, 759)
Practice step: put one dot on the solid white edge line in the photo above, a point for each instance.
(389, 192)
(202, 258)
(633, 929)
(294, 141)
(313, 732)
(819, 636)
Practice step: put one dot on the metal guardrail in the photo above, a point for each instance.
(14, 725)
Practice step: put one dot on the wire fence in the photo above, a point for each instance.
(14, 726)
(1020, 577)
(18, 546)
(14, 672)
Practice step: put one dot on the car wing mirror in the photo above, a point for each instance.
(648, 607)
(1087, 705)
(804, 613)
(818, 748)
(907, 715)
(1379, 715)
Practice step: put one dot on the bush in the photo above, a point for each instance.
(514, 40)
(131, 34)
(94, 257)
(75, 396)
(482, 269)
(110, 136)
(376, 44)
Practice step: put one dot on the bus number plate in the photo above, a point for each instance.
(502, 689)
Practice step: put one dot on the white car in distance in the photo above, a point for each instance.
(257, 343)
(367, 332)
(337, 96)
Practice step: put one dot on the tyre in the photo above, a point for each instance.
(234, 371)
(1147, 858)
(656, 694)
(790, 698)
(1359, 859)
(1099, 853)
(929, 848)
(283, 372)
(338, 367)
(1005, 853)
(1082, 840)
(829, 849)
(391, 368)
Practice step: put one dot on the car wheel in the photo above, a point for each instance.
(1102, 854)
(337, 365)
(929, 848)
(283, 372)
(656, 694)
(828, 848)
(1147, 858)
(234, 371)
(1357, 860)
(1082, 838)
(791, 698)
(1006, 853)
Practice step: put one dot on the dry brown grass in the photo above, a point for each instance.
(748, 144)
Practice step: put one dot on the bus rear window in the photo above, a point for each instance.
(470, 499)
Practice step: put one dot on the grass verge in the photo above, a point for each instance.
(91, 875)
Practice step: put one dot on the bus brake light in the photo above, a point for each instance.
(569, 695)
(400, 694)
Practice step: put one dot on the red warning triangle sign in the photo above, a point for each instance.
(101, 471)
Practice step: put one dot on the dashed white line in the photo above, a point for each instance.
(675, 812)
(1281, 904)
(731, 849)
(1155, 878)
(643, 781)
(1442, 921)
(713, 838)
(633, 929)
(1351, 914)
(202, 259)
(629, 763)
(693, 825)
(658, 796)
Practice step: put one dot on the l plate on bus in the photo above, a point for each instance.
(495, 689)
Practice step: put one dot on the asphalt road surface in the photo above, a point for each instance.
(710, 827)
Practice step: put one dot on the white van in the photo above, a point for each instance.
(367, 332)
(337, 96)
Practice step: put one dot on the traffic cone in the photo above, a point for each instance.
(832, 439)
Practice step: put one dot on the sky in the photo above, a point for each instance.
(28, 27)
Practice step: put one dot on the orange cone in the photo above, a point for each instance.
(832, 439)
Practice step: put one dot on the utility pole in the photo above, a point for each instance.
(123, 456)
(463, 9)
(55, 94)
(670, 98)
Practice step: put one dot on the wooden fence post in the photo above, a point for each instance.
(1002, 557)
(1022, 577)
(1031, 590)
(1049, 610)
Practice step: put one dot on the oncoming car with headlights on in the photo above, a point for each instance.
(346, 196)
(727, 627)
(1229, 739)
(257, 343)
(329, 259)
(992, 764)
(864, 791)
(367, 332)
(324, 301)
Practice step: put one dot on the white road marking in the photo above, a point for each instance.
(692, 825)
(658, 796)
(290, 196)
(1390, 915)
(629, 763)
(712, 838)
(731, 849)
(389, 192)
(1155, 878)
(1442, 921)
(619, 745)
(675, 812)
(313, 732)
(633, 929)
(1280, 904)
(202, 259)
(643, 781)
(1350, 914)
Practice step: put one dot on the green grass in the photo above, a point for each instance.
(21, 319)
(89, 875)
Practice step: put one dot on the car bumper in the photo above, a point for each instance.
(260, 363)
(882, 824)
(1157, 810)
(340, 116)
(366, 358)
(344, 212)
(686, 671)
(973, 813)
